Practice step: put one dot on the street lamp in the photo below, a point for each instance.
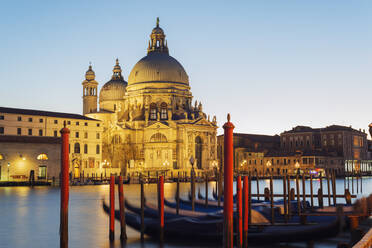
(214, 164)
(268, 165)
(105, 165)
(166, 163)
(242, 164)
(8, 170)
(192, 161)
(297, 166)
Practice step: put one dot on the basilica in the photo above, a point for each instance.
(150, 122)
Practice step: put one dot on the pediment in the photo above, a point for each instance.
(203, 122)
(158, 125)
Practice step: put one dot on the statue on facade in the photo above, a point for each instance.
(200, 107)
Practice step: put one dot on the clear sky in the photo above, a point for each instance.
(273, 64)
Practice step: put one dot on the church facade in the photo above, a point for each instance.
(150, 123)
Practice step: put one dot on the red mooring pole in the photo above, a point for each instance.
(245, 222)
(240, 212)
(112, 209)
(63, 229)
(161, 207)
(228, 205)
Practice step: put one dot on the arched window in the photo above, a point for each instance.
(97, 149)
(158, 138)
(42, 156)
(198, 151)
(116, 139)
(85, 148)
(77, 148)
(163, 111)
(153, 111)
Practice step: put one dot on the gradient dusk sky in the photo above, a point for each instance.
(273, 64)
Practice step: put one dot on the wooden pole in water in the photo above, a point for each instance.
(258, 185)
(303, 188)
(206, 189)
(357, 181)
(285, 198)
(320, 191)
(178, 194)
(112, 208)
(311, 191)
(333, 180)
(219, 188)
(352, 178)
(228, 204)
(246, 210)
(192, 181)
(361, 183)
(249, 199)
(289, 196)
(239, 223)
(272, 199)
(298, 194)
(63, 229)
(123, 229)
(328, 188)
(142, 211)
(161, 208)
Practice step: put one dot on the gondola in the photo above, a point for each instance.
(151, 211)
(187, 206)
(188, 229)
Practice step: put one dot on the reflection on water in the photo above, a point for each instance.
(29, 217)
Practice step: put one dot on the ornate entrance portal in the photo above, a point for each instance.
(198, 151)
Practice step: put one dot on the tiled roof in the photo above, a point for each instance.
(304, 129)
(259, 137)
(44, 113)
(274, 153)
(29, 139)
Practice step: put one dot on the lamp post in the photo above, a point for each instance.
(166, 164)
(268, 165)
(242, 164)
(8, 170)
(297, 166)
(214, 166)
(105, 165)
(192, 160)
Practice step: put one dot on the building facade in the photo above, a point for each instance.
(302, 148)
(85, 141)
(19, 155)
(150, 122)
(335, 140)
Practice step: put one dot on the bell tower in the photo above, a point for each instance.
(89, 92)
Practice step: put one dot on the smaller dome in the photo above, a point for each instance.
(115, 88)
(157, 30)
(89, 75)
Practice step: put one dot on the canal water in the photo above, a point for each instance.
(29, 217)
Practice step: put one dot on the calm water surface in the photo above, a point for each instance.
(29, 217)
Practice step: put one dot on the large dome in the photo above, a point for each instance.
(158, 67)
(115, 88)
